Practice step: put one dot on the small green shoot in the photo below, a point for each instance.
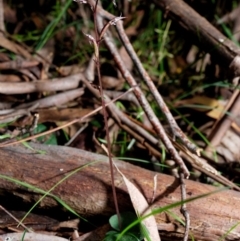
(52, 140)
(134, 234)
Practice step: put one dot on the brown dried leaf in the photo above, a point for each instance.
(110, 82)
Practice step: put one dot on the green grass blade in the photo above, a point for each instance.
(24, 233)
(229, 231)
(51, 27)
(47, 193)
(170, 206)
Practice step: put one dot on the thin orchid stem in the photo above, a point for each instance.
(98, 41)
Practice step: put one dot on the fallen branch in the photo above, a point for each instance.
(89, 191)
(57, 84)
(207, 37)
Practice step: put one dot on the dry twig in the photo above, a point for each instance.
(142, 100)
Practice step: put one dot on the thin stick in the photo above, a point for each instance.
(2, 26)
(183, 209)
(142, 100)
(4, 144)
(21, 224)
(176, 131)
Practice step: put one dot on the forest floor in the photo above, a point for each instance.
(170, 69)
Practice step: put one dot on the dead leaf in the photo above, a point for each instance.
(212, 107)
(142, 208)
(110, 82)
(67, 114)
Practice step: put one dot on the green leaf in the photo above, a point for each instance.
(52, 140)
(5, 136)
(112, 236)
(126, 219)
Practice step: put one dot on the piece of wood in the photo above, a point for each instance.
(89, 191)
(206, 36)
